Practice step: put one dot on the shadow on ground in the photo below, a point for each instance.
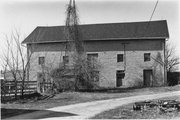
(111, 90)
(31, 114)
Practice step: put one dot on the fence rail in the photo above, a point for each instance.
(9, 88)
(45, 86)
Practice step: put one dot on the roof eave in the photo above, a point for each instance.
(61, 41)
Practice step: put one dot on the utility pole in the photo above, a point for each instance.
(124, 48)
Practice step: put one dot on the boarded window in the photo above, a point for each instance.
(41, 60)
(92, 59)
(92, 56)
(120, 58)
(147, 57)
(66, 59)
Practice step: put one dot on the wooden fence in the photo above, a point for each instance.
(45, 86)
(9, 88)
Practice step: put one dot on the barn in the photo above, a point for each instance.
(131, 53)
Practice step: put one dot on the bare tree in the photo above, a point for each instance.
(171, 60)
(73, 36)
(16, 60)
(87, 73)
(72, 30)
(82, 68)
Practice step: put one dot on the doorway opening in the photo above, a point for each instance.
(119, 77)
(148, 77)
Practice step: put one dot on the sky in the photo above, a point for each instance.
(26, 15)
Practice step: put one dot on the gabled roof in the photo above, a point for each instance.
(108, 31)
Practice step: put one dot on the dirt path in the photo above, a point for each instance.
(89, 109)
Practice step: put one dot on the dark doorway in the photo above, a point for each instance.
(119, 76)
(148, 77)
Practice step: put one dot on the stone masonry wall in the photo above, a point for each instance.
(107, 57)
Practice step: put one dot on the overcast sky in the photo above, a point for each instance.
(26, 15)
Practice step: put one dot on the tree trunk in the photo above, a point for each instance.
(16, 89)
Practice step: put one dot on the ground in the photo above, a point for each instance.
(127, 112)
(66, 98)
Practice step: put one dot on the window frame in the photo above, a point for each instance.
(147, 57)
(92, 56)
(120, 58)
(66, 59)
(41, 60)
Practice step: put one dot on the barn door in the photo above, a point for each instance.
(119, 76)
(147, 77)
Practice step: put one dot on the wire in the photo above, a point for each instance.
(150, 18)
(154, 10)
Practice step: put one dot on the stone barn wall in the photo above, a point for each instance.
(107, 50)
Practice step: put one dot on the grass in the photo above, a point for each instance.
(17, 107)
(127, 112)
(67, 98)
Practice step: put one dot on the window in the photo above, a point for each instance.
(92, 56)
(41, 60)
(66, 59)
(120, 58)
(95, 76)
(147, 57)
(92, 59)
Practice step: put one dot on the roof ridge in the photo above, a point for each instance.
(105, 23)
